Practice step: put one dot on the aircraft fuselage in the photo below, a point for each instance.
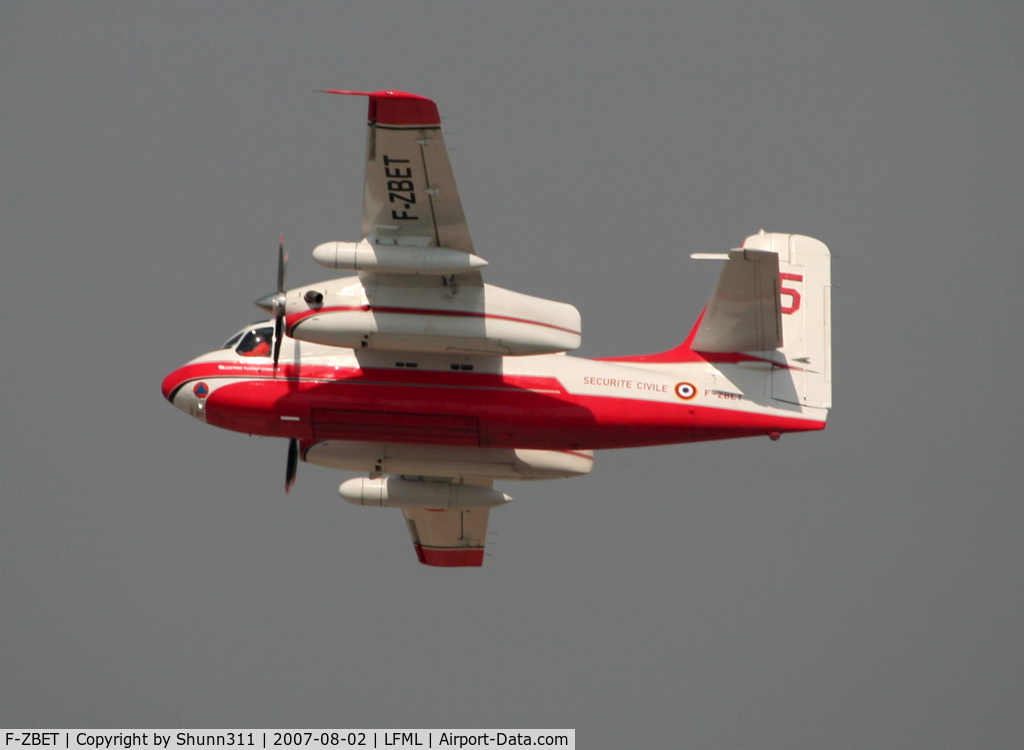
(549, 402)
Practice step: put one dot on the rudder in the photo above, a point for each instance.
(805, 377)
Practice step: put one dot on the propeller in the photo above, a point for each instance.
(293, 464)
(275, 303)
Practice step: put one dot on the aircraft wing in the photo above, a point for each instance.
(745, 310)
(409, 193)
(452, 538)
(445, 490)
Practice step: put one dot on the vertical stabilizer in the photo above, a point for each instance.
(805, 374)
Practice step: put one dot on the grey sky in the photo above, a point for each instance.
(856, 588)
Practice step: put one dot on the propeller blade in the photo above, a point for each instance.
(282, 264)
(275, 303)
(278, 326)
(293, 464)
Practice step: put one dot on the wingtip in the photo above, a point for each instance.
(470, 557)
(382, 94)
(391, 107)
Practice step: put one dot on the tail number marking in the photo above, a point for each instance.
(396, 188)
(789, 292)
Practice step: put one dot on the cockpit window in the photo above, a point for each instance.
(232, 341)
(256, 343)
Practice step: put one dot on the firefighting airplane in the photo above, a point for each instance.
(411, 370)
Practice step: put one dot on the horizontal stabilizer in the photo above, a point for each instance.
(745, 311)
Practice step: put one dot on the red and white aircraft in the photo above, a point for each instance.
(415, 372)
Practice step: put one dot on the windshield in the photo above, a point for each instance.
(256, 342)
(230, 343)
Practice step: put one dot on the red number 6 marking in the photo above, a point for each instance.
(790, 292)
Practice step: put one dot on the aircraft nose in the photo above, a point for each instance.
(188, 394)
(170, 384)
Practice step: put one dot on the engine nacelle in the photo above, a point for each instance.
(448, 460)
(419, 313)
(392, 492)
(381, 258)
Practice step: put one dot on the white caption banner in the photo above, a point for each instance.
(285, 739)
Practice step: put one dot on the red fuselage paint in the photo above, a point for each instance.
(313, 402)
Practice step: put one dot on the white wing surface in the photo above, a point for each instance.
(452, 538)
(409, 194)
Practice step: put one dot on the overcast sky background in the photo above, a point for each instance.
(860, 587)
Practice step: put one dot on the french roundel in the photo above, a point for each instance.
(685, 391)
(201, 389)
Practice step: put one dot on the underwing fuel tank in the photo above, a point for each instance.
(392, 492)
(429, 313)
